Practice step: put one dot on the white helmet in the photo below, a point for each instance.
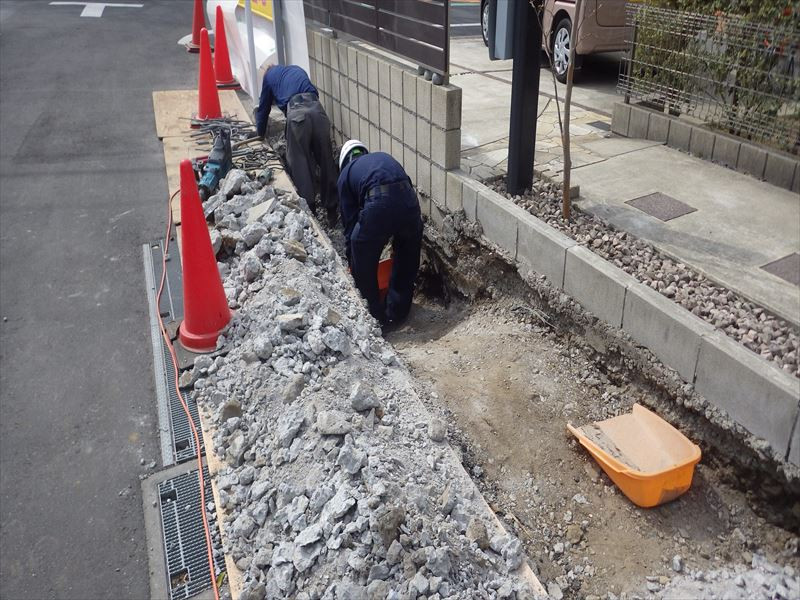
(348, 147)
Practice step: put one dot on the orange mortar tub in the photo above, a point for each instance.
(646, 457)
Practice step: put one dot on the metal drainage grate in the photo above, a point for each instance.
(184, 537)
(182, 436)
(787, 268)
(602, 125)
(661, 206)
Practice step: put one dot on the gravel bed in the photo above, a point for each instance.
(745, 321)
(339, 483)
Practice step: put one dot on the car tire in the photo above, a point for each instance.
(560, 47)
(485, 21)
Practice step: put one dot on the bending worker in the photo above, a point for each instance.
(378, 203)
(308, 132)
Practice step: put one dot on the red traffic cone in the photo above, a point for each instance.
(207, 96)
(205, 308)
(222, 60)
(198, 21)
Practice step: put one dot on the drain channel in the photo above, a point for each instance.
(183, 534)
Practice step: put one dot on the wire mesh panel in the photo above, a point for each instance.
(738, 76)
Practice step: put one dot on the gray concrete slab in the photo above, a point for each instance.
(596, 284)
(83, 187)
(740, 223)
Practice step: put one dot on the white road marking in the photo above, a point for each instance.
(95, 9)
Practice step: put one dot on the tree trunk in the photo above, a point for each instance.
(566, 204)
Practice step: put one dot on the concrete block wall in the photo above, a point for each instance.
(390, 108)
(776, 167)
(755, 393)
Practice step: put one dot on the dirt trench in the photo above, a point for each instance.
(509, 378)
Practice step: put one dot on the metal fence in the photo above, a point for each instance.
(414, 29)
(737, 76)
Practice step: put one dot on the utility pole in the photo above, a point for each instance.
(524, 97)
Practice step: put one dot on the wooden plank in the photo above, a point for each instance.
(215, 465)
(174, 108)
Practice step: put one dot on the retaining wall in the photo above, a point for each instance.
(773, 166)
(754, 392)
(390, 108)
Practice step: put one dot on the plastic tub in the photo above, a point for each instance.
(384, 276)
(646, 457)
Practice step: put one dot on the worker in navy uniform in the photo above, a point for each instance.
(378, 203)
(308, 132)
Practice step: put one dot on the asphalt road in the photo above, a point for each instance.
(82, 187)
(465, 18)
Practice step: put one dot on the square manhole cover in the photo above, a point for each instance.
(600, 125)
(787, 268)
(661, 206)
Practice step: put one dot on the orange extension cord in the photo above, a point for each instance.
(168, 342)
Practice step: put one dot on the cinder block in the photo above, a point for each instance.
(543, 248)
(385, 106)
(409, 129)
(424, 203)
(469, 196)
(439, 185)
(423, 174)
(384, 80)
(658, 129)
(498, 220)
(410, 163)
(409, 91)
(437, 214)
(446, 106)
(423, 137)
(424, 98)
(680, 135)
(374, 137)
(386, 142)
(669, 331)
(397, 121)
(620, 118)
(726, 151)
(702, 143)
(310, 42)
(596, 284)
(780, 170)
(352, 63)
(453, 193)
(363, 101)
(372, 72)
(326, 50)
(327, 79)
(344, 64)
(318, 45)
(363, 129)
(794, 444)
(446, 147)
(363, 70)
(796, 182)
(397, 150)
(374, 108)
(353, 93)
(396, 83)
(637, 126)
(334, 48)
(335, 93)
(754, 392)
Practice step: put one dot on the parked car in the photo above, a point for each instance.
(602, 29)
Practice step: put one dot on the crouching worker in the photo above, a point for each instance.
(378, 203)
(308, 132)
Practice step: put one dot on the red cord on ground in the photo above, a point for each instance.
(168, 342)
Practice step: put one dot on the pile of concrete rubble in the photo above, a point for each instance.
(339, 483)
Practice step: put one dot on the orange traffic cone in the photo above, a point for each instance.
(198, 21)
(205, 308)
(207, 96)
(222, 61)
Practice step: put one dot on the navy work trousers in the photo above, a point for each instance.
(394, 216)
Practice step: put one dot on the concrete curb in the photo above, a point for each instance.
(755, 393)
(773, 166)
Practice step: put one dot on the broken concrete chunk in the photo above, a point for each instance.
(295, 250)
(363, 397)
(336, 340)
(262, 347)
(253, 233)
(293, 388)
(314, 339)
(437, 430)
(289, 425)
(333, 422)
(476, 532)
(251, 267)
(351, 459)
(232, 184)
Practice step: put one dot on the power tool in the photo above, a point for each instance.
(219, 162)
